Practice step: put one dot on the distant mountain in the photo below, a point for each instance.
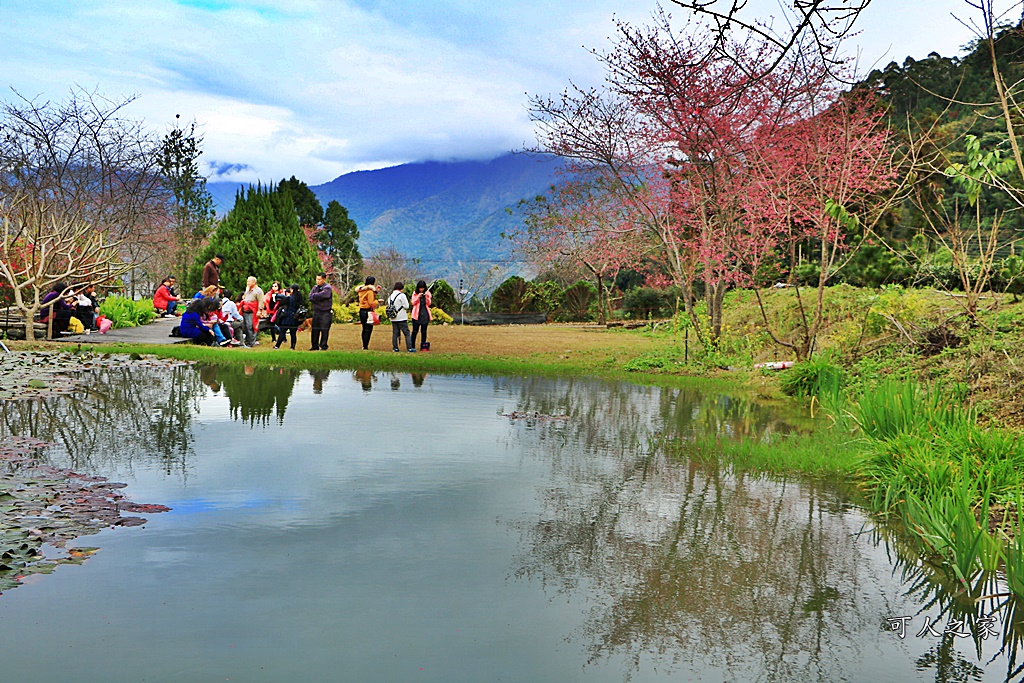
(439, 212)
(224, 194)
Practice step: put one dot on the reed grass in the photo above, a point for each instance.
(820, 454)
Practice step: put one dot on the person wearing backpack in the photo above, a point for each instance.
(398, 314)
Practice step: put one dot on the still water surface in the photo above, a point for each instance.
(340, 526)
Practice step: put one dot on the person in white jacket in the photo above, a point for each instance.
(232, 317)
(400, 321)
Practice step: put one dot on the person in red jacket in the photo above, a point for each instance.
(163, 300)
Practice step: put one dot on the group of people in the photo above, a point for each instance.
(418, 310)
(71, 309)
(215, 317)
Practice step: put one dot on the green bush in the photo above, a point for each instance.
(546, 296)
(144, 311)
(443, 296)
(440, 317)
(1011, 276)
(123, 312)
(807, 273)
(512, 296)
(641, 303)
(818, 376)
(345, 313)
(578, 300)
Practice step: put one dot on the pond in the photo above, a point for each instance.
(358, 526)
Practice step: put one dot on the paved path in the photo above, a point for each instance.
(157, 332)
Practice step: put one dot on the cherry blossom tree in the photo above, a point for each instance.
(582, 222)
(726, 157)
(817, 181)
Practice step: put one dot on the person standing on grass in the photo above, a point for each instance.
(268, 316)
(211, 271)
(421, 315)
(252, 304)
(322, 298)
(400, 323)
(288, 304)
(368, 302)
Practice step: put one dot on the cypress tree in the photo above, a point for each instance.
(261, 236)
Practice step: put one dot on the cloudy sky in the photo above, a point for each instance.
(317, 88)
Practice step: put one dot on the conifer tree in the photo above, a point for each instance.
(261, 236)
(310, 211)
(337, 238)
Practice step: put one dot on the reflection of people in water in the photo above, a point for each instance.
(417, 379)
(319, 377)
(396, 383)
(364, 377)
(208, 376)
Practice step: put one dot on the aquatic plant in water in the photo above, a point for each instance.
(44, 508)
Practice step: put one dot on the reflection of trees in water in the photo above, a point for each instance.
(254, 394)
(689, 412)
(620, 415)
(730, 572)
(115, 415)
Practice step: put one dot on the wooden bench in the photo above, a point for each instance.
(12, 322)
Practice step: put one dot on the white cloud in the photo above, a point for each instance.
(316, 88)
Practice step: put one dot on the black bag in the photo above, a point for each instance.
(301, 314)
(175, 331)
(392, 309)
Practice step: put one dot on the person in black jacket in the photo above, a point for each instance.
(288, 314)
(321, 297)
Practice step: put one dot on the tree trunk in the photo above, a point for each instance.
(716, 296)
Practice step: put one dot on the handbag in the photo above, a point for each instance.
(372, 317)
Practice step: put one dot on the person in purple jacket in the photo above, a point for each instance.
(60, 309)
(322, 298)
(192, 325)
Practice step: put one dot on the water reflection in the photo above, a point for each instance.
(366, 378)
(255, 394)
(983, 615)
(723, 571)
(748, 576)
(672, 565)
(115, 415)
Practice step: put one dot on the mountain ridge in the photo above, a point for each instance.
(438, 211)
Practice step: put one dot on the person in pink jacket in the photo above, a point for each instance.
(421, 315)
